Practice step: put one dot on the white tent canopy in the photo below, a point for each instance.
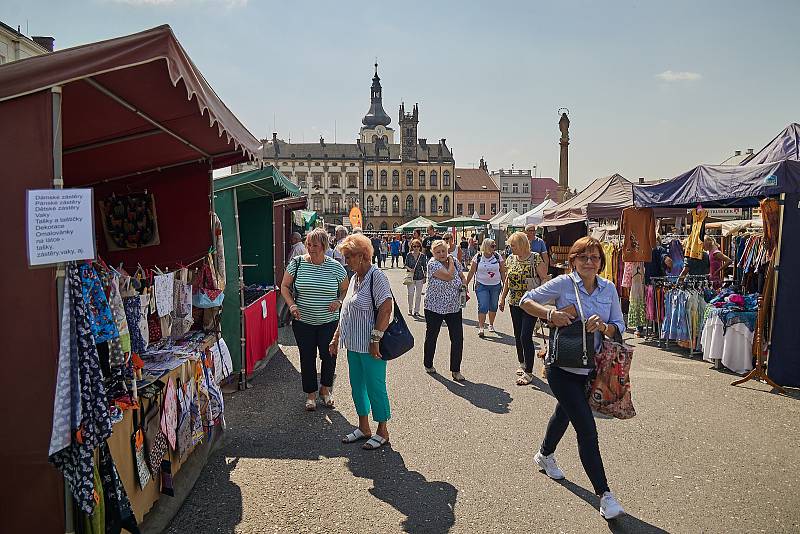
(533, 216)
(502, 220)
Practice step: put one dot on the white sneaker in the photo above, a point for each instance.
(610, 508)
(491, 328)
(549, 465)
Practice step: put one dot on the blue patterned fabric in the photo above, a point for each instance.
(99, 312)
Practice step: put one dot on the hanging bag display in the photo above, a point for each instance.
(572, 346)
(397, 339)
(139, 454)
(205, 293)
(610, 391)
(155, 440)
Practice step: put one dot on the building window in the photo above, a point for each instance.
(525, 188)
(422, 205)
(514, 206)
(352, 182)
(421, 178)
(317, 182)
(384, 182)
(335, 181)
(395, 178)
(471, 208)
(409, 205)
(524, 207)
(434, 205)
(318, 205)
(494, 208)
(409, 178)
(505, 207)
(351, 202)
(446, 204)
(370, 205)
(303, 184)
(383, 204)
(384, 226)
(395, 204)
(446, 178)
(434, 179)
(505, 187)
(459, 209)
(395, 225)
(482, 209)
(370, 178)
(335, 205)
(515, 187)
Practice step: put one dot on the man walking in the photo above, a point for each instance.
(376, 251)
(428, 241)
(394, 250)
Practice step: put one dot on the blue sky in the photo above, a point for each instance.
(653, 87)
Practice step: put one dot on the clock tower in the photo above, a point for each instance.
(408, 133)
(376, 121)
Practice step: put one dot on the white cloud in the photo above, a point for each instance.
(681, 76)
(223, 3)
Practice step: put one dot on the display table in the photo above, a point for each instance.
(732, 346)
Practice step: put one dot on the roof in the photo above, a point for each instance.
(322, 150)
(137, 94)
(258, 183)
(541, 186)
(474, 180)
(786, 145)
(30, 41)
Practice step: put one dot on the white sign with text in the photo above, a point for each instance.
(60, 226)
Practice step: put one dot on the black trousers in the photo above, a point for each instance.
(569, 390)
(377, 259)
(314, 339)
(523, 324)
(433, 324)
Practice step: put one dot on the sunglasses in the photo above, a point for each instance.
(416, 246)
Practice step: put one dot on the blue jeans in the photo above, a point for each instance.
(487, 297)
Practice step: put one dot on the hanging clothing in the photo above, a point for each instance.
(219, 251)
(676, 255)
(98, 312)
(639, 231)
(636, 309)
(608, 272)
(770, 214)
(694, 246)
(76, 461)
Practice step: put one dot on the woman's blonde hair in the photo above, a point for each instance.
(519, 239)
(486, 246)
(439, 243)
(318, 236)
(357, 244)
(415, 242)
(712, 243)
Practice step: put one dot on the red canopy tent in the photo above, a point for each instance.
(123, 115)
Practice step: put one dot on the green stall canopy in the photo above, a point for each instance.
(420, 223)
(244, 204)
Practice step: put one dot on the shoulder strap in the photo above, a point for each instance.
(580, 309)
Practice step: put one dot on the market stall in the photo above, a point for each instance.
(535, 215)
(245, 203)
(418, 223)
(131, 121)
(763, 255)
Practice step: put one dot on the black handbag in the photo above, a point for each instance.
(571, 346)
(397, 339)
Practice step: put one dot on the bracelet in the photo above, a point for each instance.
(550, 314)
(293, 307)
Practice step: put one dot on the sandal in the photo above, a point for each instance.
(311, 405)
(354, 436)
(375, 442)
(327, 400)
(520, 371)
(525, 379)
(458, 377)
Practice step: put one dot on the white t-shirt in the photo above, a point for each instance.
(487, 272)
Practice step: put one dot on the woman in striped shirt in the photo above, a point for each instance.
(365, 317)
(313, 287)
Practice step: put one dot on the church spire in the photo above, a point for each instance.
(376, 116)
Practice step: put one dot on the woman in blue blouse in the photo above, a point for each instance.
(603, 315)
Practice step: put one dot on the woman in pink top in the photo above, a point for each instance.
(717, 260)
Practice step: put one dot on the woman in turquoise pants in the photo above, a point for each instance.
(365, 314)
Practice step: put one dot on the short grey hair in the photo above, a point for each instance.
(341, 232)
(319, 236)
(296, 235)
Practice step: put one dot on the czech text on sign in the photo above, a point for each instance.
(60, 225)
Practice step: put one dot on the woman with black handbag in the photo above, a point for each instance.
(366, 311)
(586, 309)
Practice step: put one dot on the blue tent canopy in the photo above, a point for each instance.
(721, 186)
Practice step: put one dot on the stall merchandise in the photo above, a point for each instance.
(127, 116)
(727, 337)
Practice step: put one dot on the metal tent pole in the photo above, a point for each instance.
(242, 359)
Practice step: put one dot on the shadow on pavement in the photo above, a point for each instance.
(484, 396)
(268, 421)
(624, 524)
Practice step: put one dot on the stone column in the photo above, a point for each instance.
(563, 170)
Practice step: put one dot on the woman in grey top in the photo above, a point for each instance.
(365, 316)
(416, 263)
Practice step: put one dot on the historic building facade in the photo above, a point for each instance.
(392, 182)
(476, 193)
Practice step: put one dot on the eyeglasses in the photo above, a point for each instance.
(594, 258)
(493, 246)
(416, 246)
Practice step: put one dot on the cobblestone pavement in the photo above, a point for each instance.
(700, 456)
